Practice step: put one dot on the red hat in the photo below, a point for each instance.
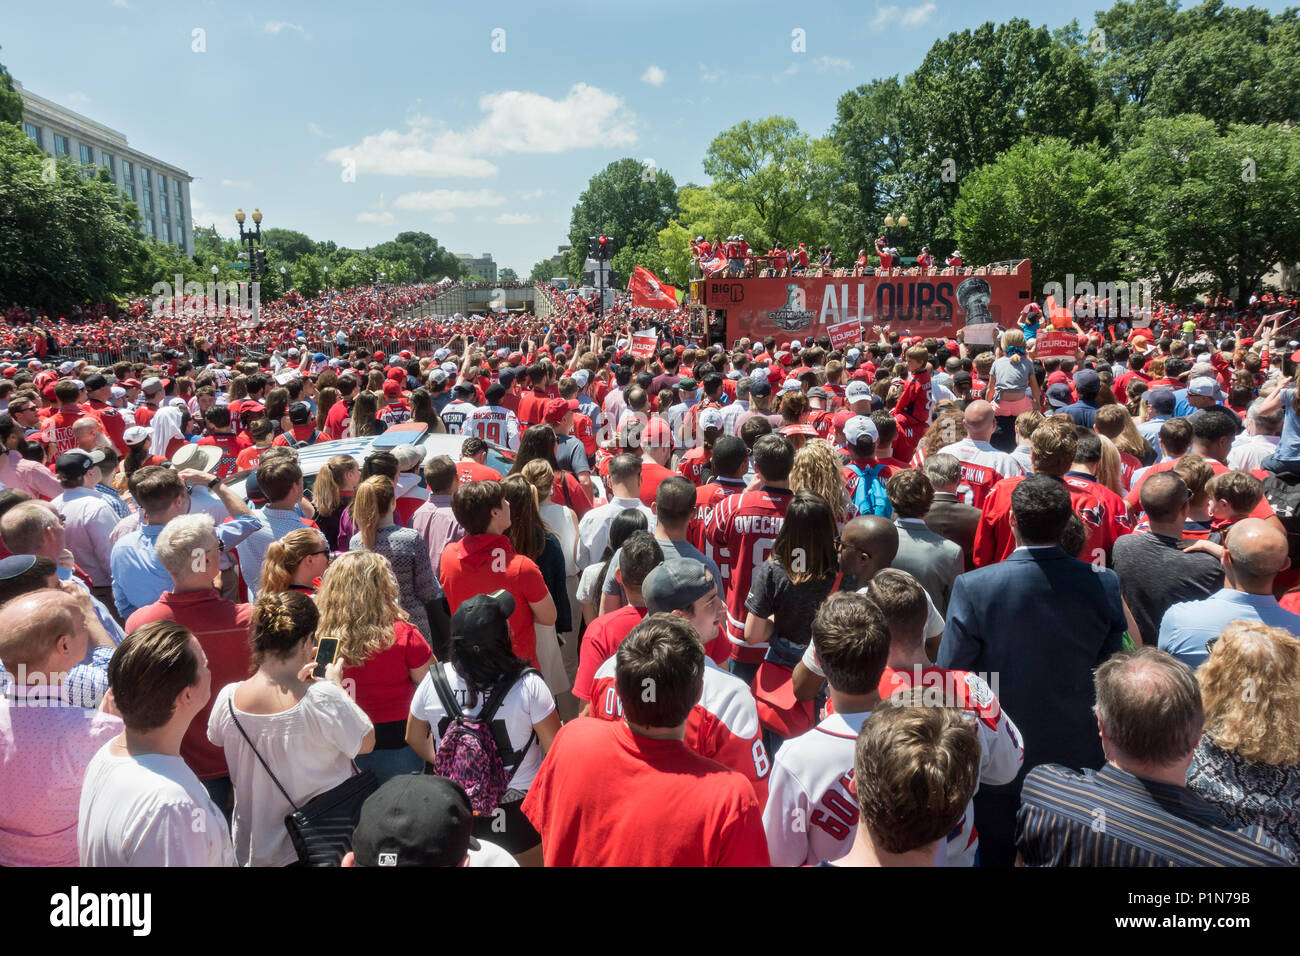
(784, 358)
(841, 418)
(379, 356)
(679, 349)
(405, 353)
(131, 383)
(557, 408)
(656, 434)
(392, 389)
(48, 392)
(515, 358)
(9, 372)
(799, 429)
(397, 375)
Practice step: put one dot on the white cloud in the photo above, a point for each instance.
(122, 4)
(890, 15)
(276, 27)
(826, 63)
(378, 218)
(317, 131)
(76, 96)
(519, 121)
(710, 74)
(415, 152)
(443, 217)
(790, 70)
(531, 194)
(237, 183)
(440, 200)
(514, 219)
(654, 76)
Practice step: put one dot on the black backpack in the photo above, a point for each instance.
(1283, 493)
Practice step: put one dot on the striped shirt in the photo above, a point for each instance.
(1110, 817)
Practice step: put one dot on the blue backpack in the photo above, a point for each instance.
(869, 498)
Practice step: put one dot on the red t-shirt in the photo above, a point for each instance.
(59, 429)
(336, 419)
(222, 628)
(483, 563)
(652, 476)
(1103, 513)
(231, 446)
(607, 797)
(599, 643)
(383, 683)
(473, 471)
(247, 459)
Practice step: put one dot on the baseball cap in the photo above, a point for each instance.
(136, 434)
(687, 384)
(1206, 387)
(1086, 378)
(299, 413)
(151, 385)
(438, 377)
(675, 584)
(656, 434)
(483, 616)
(464, 388)
(95, 382)
(853, 356)
(858, 428)
(711, 418)
(415, 820)
(961, 377)
(798, 429)
(582, 377)
(817, 392)
(449, 368)
(1162, 401)
(857, 391)
(392, 389)
(75, 463)
(506, 376)
(557, 408)
(15, 565)
(841, 418)
(1058, 395)
(759, 386)
(790, 385)
(131, 383)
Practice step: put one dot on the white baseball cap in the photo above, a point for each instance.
(1206, 387)
(136, 434)
(582, 377)
(857, 391)
(860, 427)
(711, 418)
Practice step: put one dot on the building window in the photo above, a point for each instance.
(177, 183)
(148, 224)
(61, 145)
(34, 131)
(128, 171)
(106, 160)
(129, 189)
(180, 210)
(148, 205)
(167, 231)
(144, 178)
(162, 202)
(87, 155)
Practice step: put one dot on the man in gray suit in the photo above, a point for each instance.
(949, 516)
(929, 557)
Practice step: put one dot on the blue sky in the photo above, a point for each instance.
(485, 150)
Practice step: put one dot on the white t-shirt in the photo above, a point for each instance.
(529, 702)
(562, 520)
(310, 747)
(149, 810)
(489, 854)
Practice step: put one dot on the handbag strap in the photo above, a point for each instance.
(230, 704)
(443, 689)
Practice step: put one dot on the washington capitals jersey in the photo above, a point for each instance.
(742, 531)
(723, 726)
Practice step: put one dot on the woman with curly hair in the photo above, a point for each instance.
(383, 653)
(1248, 761)
(295, 563)
(307, 729)
(818, 468)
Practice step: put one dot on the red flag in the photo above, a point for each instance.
(649, 293)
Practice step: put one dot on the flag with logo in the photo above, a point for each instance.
(649, 293)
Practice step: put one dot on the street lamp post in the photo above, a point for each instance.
(284, 280)
(253, 237)
(215, 294)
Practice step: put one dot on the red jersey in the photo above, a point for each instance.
(336, 419)
(707, 497)
(1102, 511)
(912, 413)
(247, 459)
(722, 726)
(607, 797)
(231, 446)
(252, 408)
(652, 476)
(473, 471)
(532, 407)
(600, 641)
(144, 415)
(58, 429)
(692, 466)
(822, 421)
(742, 531)
(383, 683)
(585, 432)
(112, 421)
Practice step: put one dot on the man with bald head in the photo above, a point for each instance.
(46, 739)
(1255, 553)
(982, 465)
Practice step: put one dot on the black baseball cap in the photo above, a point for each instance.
(299, 413)
(95, 382)
(75, 463)
(415, 820)
(483, 617)
(464, 388)
(675, 584)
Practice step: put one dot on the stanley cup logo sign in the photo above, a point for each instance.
(794, 315)
(973, 296)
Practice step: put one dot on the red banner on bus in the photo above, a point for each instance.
(798, 307)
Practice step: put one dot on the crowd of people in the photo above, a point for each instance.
(906, 602)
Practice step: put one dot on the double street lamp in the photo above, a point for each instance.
(256, 253)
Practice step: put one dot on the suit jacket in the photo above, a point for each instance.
(931, 558)
(956, 521)
(1036, 625)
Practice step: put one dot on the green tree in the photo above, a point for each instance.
(544, 271)
(1046, 201)
(287, 244)
(778, 182)
(626, 200)
(308, 278)
(868, 136)
(976, 94)
(508, 275)
(64, 238)
(11, 104)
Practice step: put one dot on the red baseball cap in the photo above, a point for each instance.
(379, 356)
(656, 433)
(841, 418)
(557, 408)
(397, 375)
(392, 389)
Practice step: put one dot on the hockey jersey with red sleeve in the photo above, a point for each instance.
(723, 726)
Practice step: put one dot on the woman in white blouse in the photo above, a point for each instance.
(307, 730)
